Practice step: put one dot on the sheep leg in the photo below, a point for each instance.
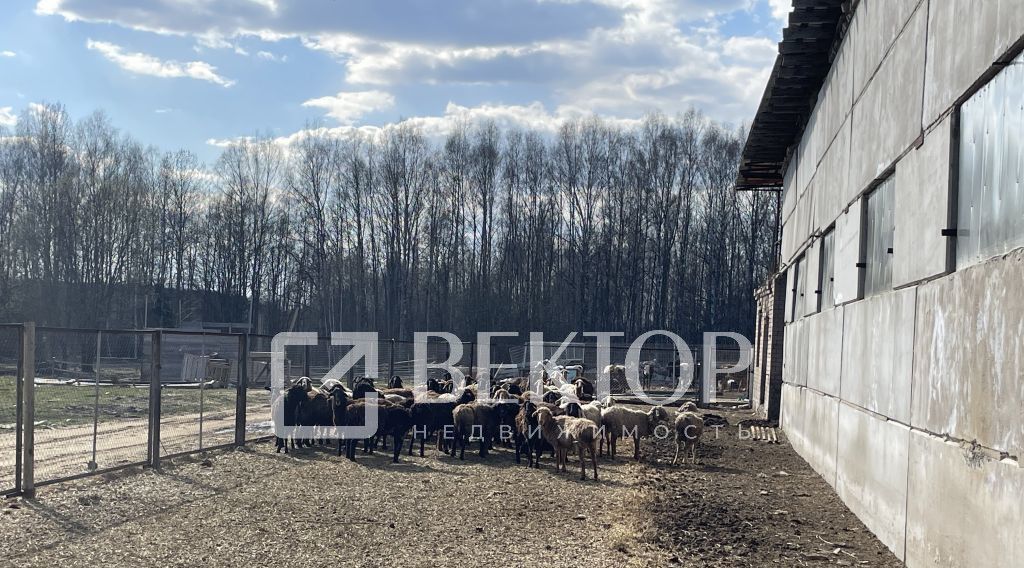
(583, 465)
(398, 447)
(676, 457)
(636, 448)
(593, 460)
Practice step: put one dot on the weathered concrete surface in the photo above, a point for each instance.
(804, 216)
(969, 372)
(835, 99)
(831, 182)
(922, 209)
(825, 350)
(887, 117)
(962, 511)
(847, 279)
(872, 473)
(813, 268)
(791, 419)
(965, 37)
(820, 426)
(878, 343)
(808, 150)
(876, 23)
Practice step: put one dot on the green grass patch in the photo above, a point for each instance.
(65, 405)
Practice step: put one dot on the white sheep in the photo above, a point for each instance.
(689, 427)
(621, 421)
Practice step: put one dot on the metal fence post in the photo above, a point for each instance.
(391, 362)
(28, 356)
(154, 402)
(242, 393)
(305, 361)
(19, 409)
(96, 400)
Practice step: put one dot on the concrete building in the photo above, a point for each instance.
(895, 131)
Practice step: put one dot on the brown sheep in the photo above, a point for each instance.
(563, 432)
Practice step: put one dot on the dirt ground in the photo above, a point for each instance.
(747, 503)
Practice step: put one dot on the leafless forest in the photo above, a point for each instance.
(596, 227)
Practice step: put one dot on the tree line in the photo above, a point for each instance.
(595, 227)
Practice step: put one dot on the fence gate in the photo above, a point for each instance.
(90, 402)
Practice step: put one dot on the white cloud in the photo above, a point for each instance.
(533, 116)
(7, 53)
(144, 64)
(269, 56)
(348, 107)
(760, 50)
(163, 110)
(7, 116)
(781, 9)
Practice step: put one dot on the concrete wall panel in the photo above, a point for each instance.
(876, 23)
(820, 433)
(836, 99)
(878, 343)
(887, 118)
(825, 350)
(792, 416)
(922, 208)
(963, 511)
(969, 372)
(965, 37)
(831, 182)
(807, 149)
(847, 277)
(872, 473)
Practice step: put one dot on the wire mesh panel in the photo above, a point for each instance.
(199, 378)
(258, 415)
(10, 355)
(91, 401)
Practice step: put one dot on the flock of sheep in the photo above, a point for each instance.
(558, 420)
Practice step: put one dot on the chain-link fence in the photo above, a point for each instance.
(10, 409)
(91, 400)
(199, 373)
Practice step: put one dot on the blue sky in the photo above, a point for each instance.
(196, 74)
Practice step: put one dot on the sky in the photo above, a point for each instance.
(196, 74)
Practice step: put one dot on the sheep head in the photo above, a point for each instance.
(543, 416)
(657, 414)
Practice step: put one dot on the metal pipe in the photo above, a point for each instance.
(29, 357)
(96, 399)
